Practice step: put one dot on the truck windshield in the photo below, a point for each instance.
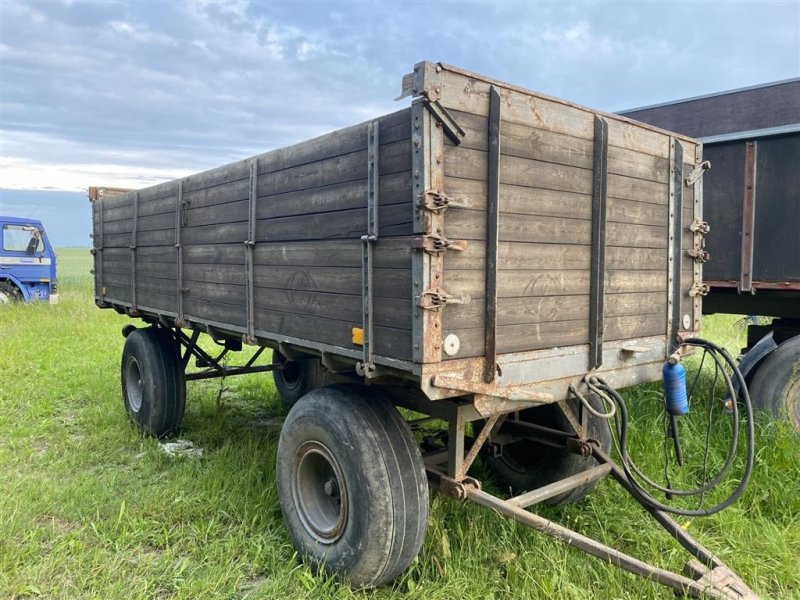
(22, 238)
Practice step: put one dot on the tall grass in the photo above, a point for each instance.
(90, 509)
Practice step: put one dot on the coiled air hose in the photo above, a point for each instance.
(618, 411)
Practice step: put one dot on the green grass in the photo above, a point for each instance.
(90, 509)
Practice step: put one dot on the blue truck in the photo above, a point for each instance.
(27, 262)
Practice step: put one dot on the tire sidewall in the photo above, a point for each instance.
(775, 386)
(163, 385)
(367, 532)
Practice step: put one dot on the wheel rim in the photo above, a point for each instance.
(133, 385)
(5, 297)
(319, 492)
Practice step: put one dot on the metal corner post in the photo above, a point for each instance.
(675, 250)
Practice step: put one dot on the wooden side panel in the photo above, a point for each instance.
(546, 186)
(310, 216)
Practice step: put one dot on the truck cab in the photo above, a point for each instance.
(27, 262)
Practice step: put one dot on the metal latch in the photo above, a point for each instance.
(699, 255)
(436, 201)
(700, 227)
(435, 244)
(699, 289)
(435, 299)
(697, 172)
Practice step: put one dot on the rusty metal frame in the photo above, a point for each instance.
(705, 576)
(748, 216)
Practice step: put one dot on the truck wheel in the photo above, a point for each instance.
(297, 378)
(153, 382)
(9, 293)
(775, 387)
(352, 484)
(527, 465)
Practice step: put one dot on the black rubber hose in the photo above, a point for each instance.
(622, 425)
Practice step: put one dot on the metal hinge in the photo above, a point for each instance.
(699, 255)
(434, 244)
(436, 299)
(697, 172)
(699, 289)
(700, 227)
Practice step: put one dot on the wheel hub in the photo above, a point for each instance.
(133, 385)
(319, 492)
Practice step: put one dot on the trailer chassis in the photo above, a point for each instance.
(447, 467)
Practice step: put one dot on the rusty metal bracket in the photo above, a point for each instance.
(434, 244)
(699, 255)
(451, 128)
(437, 201)
(697, 173)
(511, 392)
(436, 299)
(700, 227)
(699, 289)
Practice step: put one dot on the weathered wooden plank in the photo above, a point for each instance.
(346, 224)
(521, 283)
(523, 200)
(535, 336)
(395, 188)
(467, 163)
(535, 256)
(389, 283)
(543, 309)
(467, 224)
(525, 141)
(390, 253)
(467, 94)
(388, 341)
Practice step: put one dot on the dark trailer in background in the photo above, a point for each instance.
(752, 203)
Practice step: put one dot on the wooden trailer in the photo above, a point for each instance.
(470, 257)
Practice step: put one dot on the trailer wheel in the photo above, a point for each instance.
(775, 387)
(296, 378)
(352, 484)
(153, 381)
(528, 465)
(9, 293)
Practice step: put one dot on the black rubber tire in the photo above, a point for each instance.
(297, 378)
(153, 381)
(775, 386)
(9, 293)
(383, 487)
(527, 465)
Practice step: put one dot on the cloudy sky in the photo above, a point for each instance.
(131, 93)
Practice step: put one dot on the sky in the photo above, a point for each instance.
(128, 94)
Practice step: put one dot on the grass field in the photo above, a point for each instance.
(90, 509)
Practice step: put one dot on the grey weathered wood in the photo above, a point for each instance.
(310, 211)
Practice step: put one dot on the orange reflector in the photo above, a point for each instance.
(358, 336)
